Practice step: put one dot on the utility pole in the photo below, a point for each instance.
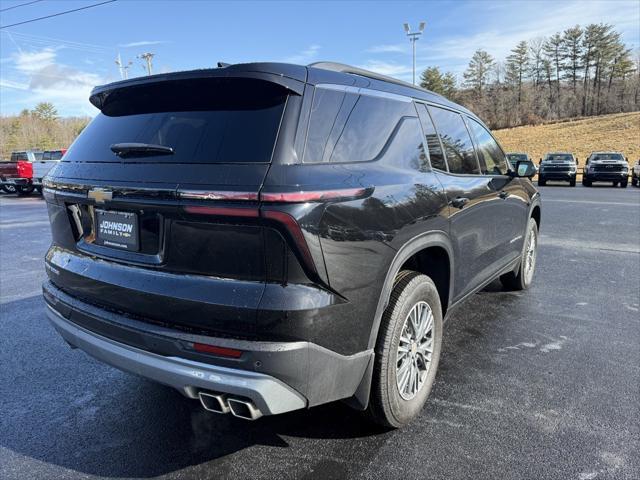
(413, 38)
(124, 74)
(148, 57)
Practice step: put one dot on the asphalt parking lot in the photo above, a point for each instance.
(543, 384)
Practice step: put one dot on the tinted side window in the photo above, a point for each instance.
(405, 148)
(46, 156)
(436, 155)
(491, 156)
(347, 127)
(456, 141)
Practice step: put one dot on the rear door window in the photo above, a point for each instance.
(351, 127)
(204, 121)
(492, 157)
(458, 148)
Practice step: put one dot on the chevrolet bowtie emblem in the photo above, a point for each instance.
(100, 194)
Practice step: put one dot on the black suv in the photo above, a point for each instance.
(268, 237)
(561, 166)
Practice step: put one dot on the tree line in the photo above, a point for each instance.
(40, 128)
(576, 73)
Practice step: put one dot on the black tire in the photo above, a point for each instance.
(24, 191)
(615, 184)
(572, 183)
(39, 190)
(387, 406)
(586, 183)
(9, 188)
(624, 183)
(520, 281)
(541, 182)
(634, 181)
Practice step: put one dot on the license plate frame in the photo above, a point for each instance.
(117, 229)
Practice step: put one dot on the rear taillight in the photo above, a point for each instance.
(283, 219)
(314, 195)
(25, 169)
(294, 230)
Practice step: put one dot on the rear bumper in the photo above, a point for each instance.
(277, 376)
(269, 394)
(17, 182)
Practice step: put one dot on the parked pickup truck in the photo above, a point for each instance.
(606, 167)
(560, 166)
(635, 174)
(24, 172)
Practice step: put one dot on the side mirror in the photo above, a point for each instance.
(525, 169)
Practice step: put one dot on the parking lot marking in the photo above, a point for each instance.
(578, 245)
(591, 202)
(35, 223)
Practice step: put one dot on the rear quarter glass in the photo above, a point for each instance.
(203, 121)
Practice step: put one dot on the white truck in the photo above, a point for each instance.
(635, 174)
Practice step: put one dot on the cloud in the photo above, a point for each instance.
(304, 57)
(142, 43)
(388, 68)
(38, 76)
(4, 83)
(396, 48)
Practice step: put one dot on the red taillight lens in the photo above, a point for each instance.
(221, 351)
(224, 211)
(25, 169)
(313, 196)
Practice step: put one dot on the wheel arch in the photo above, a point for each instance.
(412, 253)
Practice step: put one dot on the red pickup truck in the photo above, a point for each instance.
(24, 172)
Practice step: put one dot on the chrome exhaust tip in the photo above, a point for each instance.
(214, 402)
(244, 409)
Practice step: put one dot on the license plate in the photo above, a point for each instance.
(117, 230)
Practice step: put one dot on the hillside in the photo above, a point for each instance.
(617, 132)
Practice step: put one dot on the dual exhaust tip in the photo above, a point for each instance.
(223, 403)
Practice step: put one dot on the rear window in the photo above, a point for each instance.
(204, 121)
(19, 157)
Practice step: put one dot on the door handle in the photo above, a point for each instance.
(459, 202)
(504, 194)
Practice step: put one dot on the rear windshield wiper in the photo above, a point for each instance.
(140, 149)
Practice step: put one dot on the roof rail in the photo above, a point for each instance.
(341, 67)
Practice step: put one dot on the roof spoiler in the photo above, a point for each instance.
(291, 77)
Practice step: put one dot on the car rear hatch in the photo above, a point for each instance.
(154, 208)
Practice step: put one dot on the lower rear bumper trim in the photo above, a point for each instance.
(269, 394)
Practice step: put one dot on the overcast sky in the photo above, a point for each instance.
(60, 59)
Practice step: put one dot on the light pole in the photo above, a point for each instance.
(148, 57)
(413, 38)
